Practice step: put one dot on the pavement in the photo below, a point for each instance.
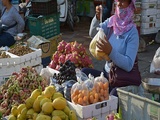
(80, 34)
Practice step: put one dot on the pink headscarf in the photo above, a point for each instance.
(122, 20)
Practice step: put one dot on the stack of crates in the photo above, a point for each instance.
(148, 17)
(158, 15)
(44, 21)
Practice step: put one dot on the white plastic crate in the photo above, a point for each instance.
(148, 18)
(3, 79)
(35, 54)
(38, 68)
(158, 15)
(149, 12)
(135, 107)
(8, 70)
(148, 31)
(148, 1)
(99, 110)
(158, 20)
(157, 25)
(32, 62)
(147, 25)
(14, 59)
(148, 5)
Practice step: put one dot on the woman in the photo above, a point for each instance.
(121, 46)
(10, 17)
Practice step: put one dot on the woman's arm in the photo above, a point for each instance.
(126, 59)
(93, 27)
(20, 22)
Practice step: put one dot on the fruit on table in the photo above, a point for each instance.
(44, 108)
(12, 117)
(56, 95)
(59, 113)
(29, 102)
(44, 100)
(36, 93)
(14, 111)
(72, 115)
(19, 87)
(49, 91)
(47, 108)
(73, 51)
(56, 118)
(43, 117)
(59, 103)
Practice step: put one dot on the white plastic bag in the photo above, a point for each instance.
(93, 48)
(155, 65)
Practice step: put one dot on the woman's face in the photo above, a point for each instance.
(4, 2)
(123, 3)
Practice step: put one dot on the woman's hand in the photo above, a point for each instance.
(104, 46)
(98, 11)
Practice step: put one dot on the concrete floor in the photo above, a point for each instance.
(80, 35)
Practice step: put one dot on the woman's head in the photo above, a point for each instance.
(124, 3)
(122, 21)
(6, 2)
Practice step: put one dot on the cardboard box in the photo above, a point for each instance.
(99, 110)
(41, 43)
(54, 42)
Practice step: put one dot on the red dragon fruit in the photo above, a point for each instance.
(76, 47)
(52, 64)
(55, 57)
(68, 48)
(61, 59)
(57, 67)
(86, 61)
(68, 57)
(76, 59)
(61, 46)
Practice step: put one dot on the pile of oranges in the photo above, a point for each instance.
(98, 93)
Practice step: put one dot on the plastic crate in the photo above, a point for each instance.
(46, 26)
(44, 8)
(98, 110)
(136, 104)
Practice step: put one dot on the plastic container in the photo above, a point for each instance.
(46, 26)
(44, 8)
(136, 104)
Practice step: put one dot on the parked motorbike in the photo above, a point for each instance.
(67, 11)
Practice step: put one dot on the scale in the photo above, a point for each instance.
(152, 85)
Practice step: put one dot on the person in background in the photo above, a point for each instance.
(122, 43)
(10, 17)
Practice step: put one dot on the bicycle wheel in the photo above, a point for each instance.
(70, 21)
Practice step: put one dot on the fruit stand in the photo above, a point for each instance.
(28, 93)
(30, 89)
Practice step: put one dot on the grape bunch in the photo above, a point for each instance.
(66, 72)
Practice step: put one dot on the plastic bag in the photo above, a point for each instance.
(79, 94)
(155, 64)
(93, 49)
(102, 87)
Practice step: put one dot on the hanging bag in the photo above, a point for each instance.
(93, 48)
(120, 78)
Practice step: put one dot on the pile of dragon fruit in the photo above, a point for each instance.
(19, 87)
(73, 51)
